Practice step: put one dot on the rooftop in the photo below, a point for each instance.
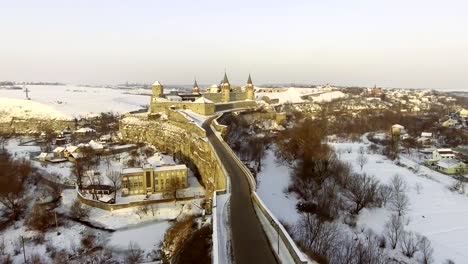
(449, 163)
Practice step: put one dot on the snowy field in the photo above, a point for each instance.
(293, 95)
(435, 211)
(70, 101)
(272, 182)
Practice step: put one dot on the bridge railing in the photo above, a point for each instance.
(287, 250)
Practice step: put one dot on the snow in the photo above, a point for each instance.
(295, 95)
(74, 101)
(436, 212)
(27, 109)
(203, 100)
(272, 182)
(222, 228)
(147, 236)
(195, 117)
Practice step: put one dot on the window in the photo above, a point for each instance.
(148, 179)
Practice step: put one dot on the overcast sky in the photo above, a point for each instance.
(398, 43)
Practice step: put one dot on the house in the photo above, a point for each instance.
(425, 139)
(441, 154)
(44, 156)
(450, 123)
(464, 113)
(85, 131)
(397, 129)
(105, 138)
(451, 166)
(150, 179)
(96, 146)
(60, 139)
(59, 152)
(426, 134)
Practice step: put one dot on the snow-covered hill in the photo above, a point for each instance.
(295, 95)
(78, 101)
(27, 109)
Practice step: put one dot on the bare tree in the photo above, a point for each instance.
(398, 184)
(361, 158)
(393, 230)
(78, 171)
(426, 250)
(362, 191)
(78, 210)
(320, 237)
(409, 243)
(142, 210)
(384, 193)
(399, 203)
(134, 253)
(418, 187)
(172, 186)
(114, 177)
(14, 204)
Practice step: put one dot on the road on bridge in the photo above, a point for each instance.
(249, 242)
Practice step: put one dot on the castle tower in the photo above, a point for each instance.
(249, 89)
(225, 89)
(195, 89)
(158, 90)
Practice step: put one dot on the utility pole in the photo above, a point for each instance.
(24, 252)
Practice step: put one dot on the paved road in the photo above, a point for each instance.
(249, 242)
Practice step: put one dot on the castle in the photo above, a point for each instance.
(214, 98)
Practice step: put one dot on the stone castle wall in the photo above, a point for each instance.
(200, 108)
(180, 136)
(214, 97)
(29, 126)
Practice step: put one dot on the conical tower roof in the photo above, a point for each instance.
(225, 79)
(249, 81)
(195, 84)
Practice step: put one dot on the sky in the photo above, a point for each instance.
(398, 43)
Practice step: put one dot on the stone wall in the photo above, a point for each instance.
(181, 137)
(111, 207)
(235, 105)
(200, 108)
(28, 126)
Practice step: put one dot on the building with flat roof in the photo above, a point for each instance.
(152, 179)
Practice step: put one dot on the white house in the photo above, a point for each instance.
(445, 153)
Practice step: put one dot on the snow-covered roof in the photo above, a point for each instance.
(85, 130)
(171, 167)
(156, 83)
(95, 145)
(71, 149)
(59, 149)
(203, 100)
(174, 98)
(398, 126)
(426, 134)
(131, 170)
(444, 150)
(449, 163)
